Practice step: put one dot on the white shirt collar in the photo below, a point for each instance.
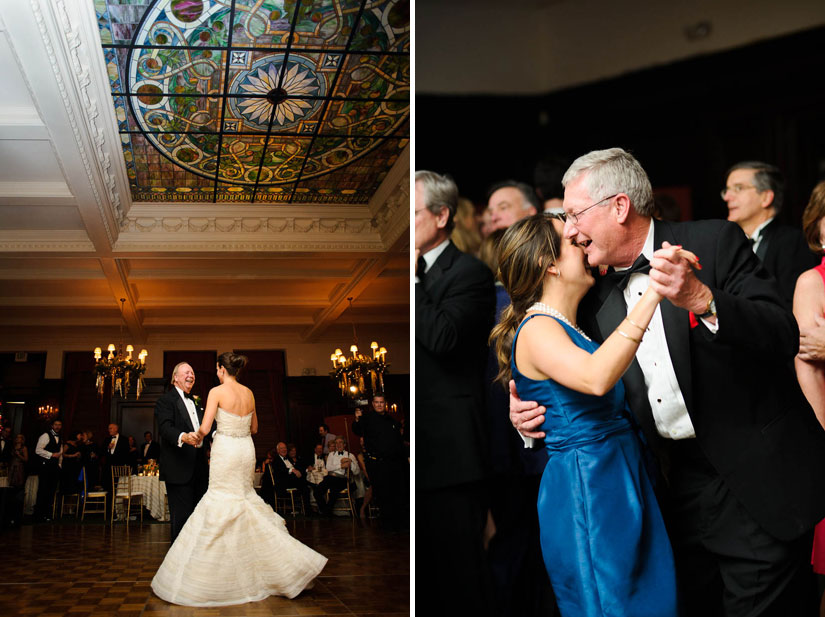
(433, 254)
(756, 236)
(647, 249)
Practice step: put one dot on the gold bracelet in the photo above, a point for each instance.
(637, 325)
(630, 338)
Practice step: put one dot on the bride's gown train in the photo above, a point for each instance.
(234, 548)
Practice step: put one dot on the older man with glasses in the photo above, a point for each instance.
(754, 194)
(712, 387)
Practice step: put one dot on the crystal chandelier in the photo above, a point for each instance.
(119, 366)
(356, 372)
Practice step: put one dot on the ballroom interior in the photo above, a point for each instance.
(189, 178)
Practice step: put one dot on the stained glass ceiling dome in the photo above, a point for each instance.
(279, 101)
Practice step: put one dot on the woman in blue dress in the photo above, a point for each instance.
(602, 536)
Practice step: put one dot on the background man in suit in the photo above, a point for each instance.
(149, 449)
(511, 201)
(387, 459)
(48, 449)
(288, 475)
(754, 193)
(184, 465)
(713, 390)
(454, 306)
(117, 450)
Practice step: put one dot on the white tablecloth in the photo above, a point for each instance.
(154, 494)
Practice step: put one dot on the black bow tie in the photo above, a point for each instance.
(621, 278)
(189, 395)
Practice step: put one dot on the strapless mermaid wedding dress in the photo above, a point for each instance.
(234, 548)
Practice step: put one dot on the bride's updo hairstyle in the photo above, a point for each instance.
(526, 250)
(232, 362)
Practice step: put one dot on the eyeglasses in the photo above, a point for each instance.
(736, 189)
(574, 217)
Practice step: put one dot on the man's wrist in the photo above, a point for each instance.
(707, 307)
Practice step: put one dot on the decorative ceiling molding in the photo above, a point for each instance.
(36, 241)
(60, 28)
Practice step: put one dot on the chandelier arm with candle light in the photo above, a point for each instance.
(351, 372)
(119, 366)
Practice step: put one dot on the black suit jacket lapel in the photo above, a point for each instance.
(677, 326)
(182, 409)
(764, 243)
(608, 316)
(443, 263)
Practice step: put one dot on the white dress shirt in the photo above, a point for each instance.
(666, 400)
(40, 448)
(430, 257)
(193, 416)
(334, 464)
(756, 236)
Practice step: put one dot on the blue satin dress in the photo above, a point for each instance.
(602, 536)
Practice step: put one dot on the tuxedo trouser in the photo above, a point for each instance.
(452, 576)
(182, 501)
(726, 564)
(391, 488)
(46, 487)
(335, 484)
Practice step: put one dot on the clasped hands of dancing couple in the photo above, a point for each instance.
(229, 522)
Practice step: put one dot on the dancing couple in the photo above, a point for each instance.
(228, 546)
(711, 390)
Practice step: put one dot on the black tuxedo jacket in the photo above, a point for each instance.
(750, 417)
(785, 255)
(282, 475)
(120, 456)
(153, 452)
(179, 465)
(454, 307)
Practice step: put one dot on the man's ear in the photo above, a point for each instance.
(767, 198)
(442, 217)
(622, 207)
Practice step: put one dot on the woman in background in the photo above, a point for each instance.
(808, 305)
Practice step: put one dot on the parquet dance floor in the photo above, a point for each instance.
(97, 570)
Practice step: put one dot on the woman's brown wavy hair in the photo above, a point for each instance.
(527, 249)
(813, 213)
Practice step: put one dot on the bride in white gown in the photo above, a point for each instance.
(234, 548)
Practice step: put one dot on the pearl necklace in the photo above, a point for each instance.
(541, 306)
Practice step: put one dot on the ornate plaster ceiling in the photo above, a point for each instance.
(83, 222)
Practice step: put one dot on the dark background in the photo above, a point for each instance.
(686, 122)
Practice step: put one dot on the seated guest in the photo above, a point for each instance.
(287, 475)
(316, 467)
(338, 462)
(149, 450)
(292, 454)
